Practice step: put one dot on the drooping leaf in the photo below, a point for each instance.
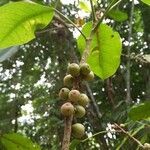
(105, 49)
(8, 52)
(74, 144)
(118, 15)
(20, 20)
(141, 111)
(146, 2)
(14, 141)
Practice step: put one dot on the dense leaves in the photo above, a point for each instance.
(30, 81)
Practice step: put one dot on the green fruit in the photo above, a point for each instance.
(74, 96)
(67, 109)
(84, 69)
(146, 146)
(83, 100)
(68, 80)
(73, 69)
(63, 93)
(89, 77)
(79, 111)
(78, 130)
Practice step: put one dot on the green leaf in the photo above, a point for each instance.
(141, 111)
(118, 15)
(20, 20)
(74, 144)
(84, 6)
(146, 2)
(14, 141)
(105, 48)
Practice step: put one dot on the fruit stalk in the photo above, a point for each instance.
(67, 132)
(68, 123)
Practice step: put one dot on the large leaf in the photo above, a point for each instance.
(141, 111)
(118, 15)
(20, 20)
(14, 141)
(105, 48)
(146, 2)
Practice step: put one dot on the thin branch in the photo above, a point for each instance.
(99, 114)
(137, 57)
(93, 11)
(128, 96)
(110, 7)
(101, 132)
(58, 12)
(133, 138)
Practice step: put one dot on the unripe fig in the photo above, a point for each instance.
(67, 109)
(78, 130)
(68, 80)
(84, 69)
(83, 100)
(146, 146)
(73, 69)
(89, 77)
(63, 93)
(74, 96)
(79, 111)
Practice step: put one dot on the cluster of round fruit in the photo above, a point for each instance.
(75, 101)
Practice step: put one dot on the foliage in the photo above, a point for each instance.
(31, 74)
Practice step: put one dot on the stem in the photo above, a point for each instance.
(67, 133)
(133, 138)
(58, 12)
(101, 132)
(68, 123)
(110, 7)
(128, 78)
(93, 11)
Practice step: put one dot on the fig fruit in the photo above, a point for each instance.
(79, 111)
(67, 109)
(83, 100)
(68, 80)
(84, 69)
(78, 130)
(73, 69)
(74, 96)
(89, 77)
(63, 93)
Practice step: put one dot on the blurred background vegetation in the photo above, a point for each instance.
(31, 79)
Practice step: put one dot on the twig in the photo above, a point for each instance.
(110, 7)
(101, 132)
(128, 96)
(70, 22)
(99, 114)
(133, 138)
(93, 11)
(137, 57)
